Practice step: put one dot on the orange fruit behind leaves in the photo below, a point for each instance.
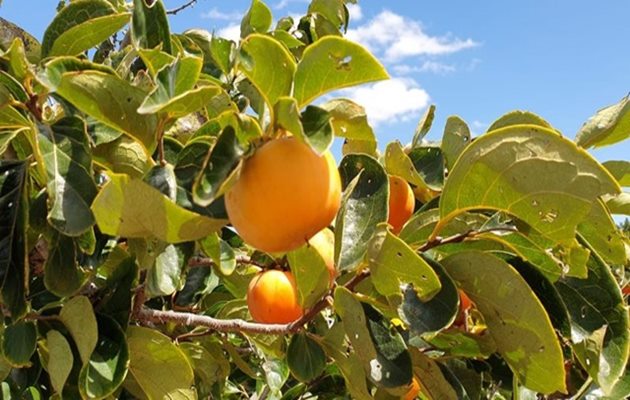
(324, 243)
(413, 391)
(401, 203)
(272, 298)
(285, 194)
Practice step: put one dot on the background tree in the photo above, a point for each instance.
(120, 276)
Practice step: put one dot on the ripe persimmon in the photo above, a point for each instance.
(285, 194)
(324, 243)
(401, 203)
(414, 390)
(272, 298)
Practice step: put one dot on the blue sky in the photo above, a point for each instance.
(562, 59)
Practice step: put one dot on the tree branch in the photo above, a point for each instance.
(184, 6)
(146, 315)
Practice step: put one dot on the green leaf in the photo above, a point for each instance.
(268, 65)
(599, 318)
(430, 163)
(424, 126)
(221, 253)
(80, 26)
(9, 32)
(333, 10)
(210, 365)
(222, 53)
(18, 343)
(165, 277)
(619, 204)
(258, 19)
(531, 173)
(60, 359)
(107, 368)
(220, 164)
(305, 357)
(13, 87)
(349, 120)
(108, 99)
(78, 316)
(620, 170)
(156, 59)
(124, 156)
(16, 61)
(311, 275)
(516, 319)
(149, 26)
(317, 128)
(120, 271)
(200, 281)
(457, 343)
(519, 118)
(430, 316)
(398, 163)
(456, 138)
(334, 63)
(364, 205)
(602, 234)
(130, 208)
(149, 352)
(62, 274)
(71, 188)
(433, 382)
(394, 265)
(13, 223)
(608, 126)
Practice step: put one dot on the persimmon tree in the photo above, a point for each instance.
(121, 275)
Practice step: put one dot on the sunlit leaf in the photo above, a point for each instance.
(60, 359)
(78, 317)
(608, 126)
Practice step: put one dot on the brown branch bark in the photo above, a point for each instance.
(184, 6)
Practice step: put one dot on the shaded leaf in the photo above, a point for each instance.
(62, 274)
(19, 343)
(334, 63)
(530, 172)
(620, 170)
(305, 357)
(149, 26)
(515, 317)
(432, 380)
(165, 276)
(78, 317)
(13, 223)
(364, 205)
(221, 162)
(107, 367)
(130, 208)
(71, 188)
(599, 318)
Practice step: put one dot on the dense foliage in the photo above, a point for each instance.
(120, 276)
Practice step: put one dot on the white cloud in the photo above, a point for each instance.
(217, 14)
(356, 14)
(427, 66)
(397, 99)
(478, 127)
(397, 37)
(285, 3)
(231, 32)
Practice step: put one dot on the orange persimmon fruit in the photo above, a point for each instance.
(401, 203)
(272, 298)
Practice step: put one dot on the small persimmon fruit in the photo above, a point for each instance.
(401, 203)
(414, 390)
(324, 243)
(285, 194)
(272, 298)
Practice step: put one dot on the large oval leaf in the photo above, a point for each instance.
(149, 25)
(530, 172)
(60, 359)
(515, 317)
(131, 208)
(334, 63)
(19, 343)
(305, 357)
(149, 352)
(268, 65)
(364, 205)
(608, 126)
(78, 317)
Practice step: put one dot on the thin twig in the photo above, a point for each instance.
(184, 6)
